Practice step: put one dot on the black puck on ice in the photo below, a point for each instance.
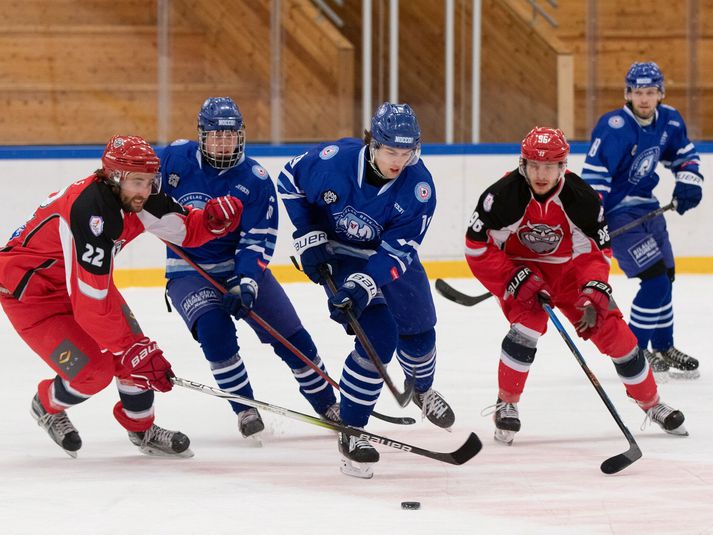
(411, 505)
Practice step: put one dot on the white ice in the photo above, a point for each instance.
(548, 482)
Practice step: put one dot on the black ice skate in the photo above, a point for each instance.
(357, 450)
(435, 408)
(160, 442)
(250, 422)
(668, 419)
(58, 427)
(658, 365)
(682, 366)
(507, 421)
(332, 414)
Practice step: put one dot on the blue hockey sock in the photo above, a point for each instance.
(232, 377)
(417, 356)
(651, 310)
(662, 336)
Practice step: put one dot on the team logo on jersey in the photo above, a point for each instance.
(356, 226)
(488, 202)
(96, 224)
(423, 191)
(616, 121)
(118, 244)
(644, 164)
(540, 238)
(330, 197)
(18, 231)
(260, 172)
(173, 180)
(328, 152)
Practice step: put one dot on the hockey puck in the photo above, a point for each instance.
(413, 506)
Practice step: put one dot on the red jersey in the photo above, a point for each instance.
(68, 247)
(512, 226)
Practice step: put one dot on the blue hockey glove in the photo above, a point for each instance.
(355, 294)
(313, 247)
(242, 292)
(688, 191)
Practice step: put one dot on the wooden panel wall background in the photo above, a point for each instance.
(78, 71)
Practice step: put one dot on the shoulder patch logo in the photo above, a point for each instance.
(328, 152)
(488, 202)
(260, 172)
(173, 180)
(423, 191)
(330, 197)
(96, 224)
(616, 121)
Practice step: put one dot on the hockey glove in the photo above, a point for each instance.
(355, 294)
(144, 365)
(222, 214)
(688, 191)
(594, 301)
(240, 299)
(527, 287)
(313, 247)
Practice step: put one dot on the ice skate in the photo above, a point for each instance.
(332, 414)
(681, 365)
(658, 365)
(58, 427)
(357, 450)
(668, 419)
(159, 442)
(507, 421)
(435, 408)
(250, 422)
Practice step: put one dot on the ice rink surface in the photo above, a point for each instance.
(548, 482)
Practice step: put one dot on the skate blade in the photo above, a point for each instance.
(155, 452)
(680, 431)
(360, 470)
(504, 436)
(72, 454)
(683, 375)
(254, 441)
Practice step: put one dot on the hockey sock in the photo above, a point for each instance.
(417, 356)
(651, 309)
(134, 411)
(662, 336)
(56, 395)
(232, 377)
(516, 357)
(634, 371)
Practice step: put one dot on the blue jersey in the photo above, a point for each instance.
(623, 155)
(325, 188)
(248, 249)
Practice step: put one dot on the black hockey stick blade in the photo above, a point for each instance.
(450, 293)
(617, 463)
(398, 420)
(463, 454)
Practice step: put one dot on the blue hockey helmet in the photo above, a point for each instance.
(645, 74)
(222, 116)
(395, 125)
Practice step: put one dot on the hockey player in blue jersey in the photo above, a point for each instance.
(194, 173)
(361, 209)
(627, 145)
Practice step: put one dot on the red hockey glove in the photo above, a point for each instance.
(594, 301)
(222, 214)
(527, 287)
(144, 364)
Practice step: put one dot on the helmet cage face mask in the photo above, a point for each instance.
(130, 154)
(545, 145)
(221, 114)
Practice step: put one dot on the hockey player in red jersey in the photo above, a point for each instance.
(538, 234)
(57, 290)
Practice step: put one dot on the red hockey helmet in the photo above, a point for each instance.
(544, 144)
(126, 154)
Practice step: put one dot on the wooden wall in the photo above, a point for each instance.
(79, 71)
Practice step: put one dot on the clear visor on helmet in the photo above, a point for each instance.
(222, 149)
(116, 177)
(560, 166)
(412, 154)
